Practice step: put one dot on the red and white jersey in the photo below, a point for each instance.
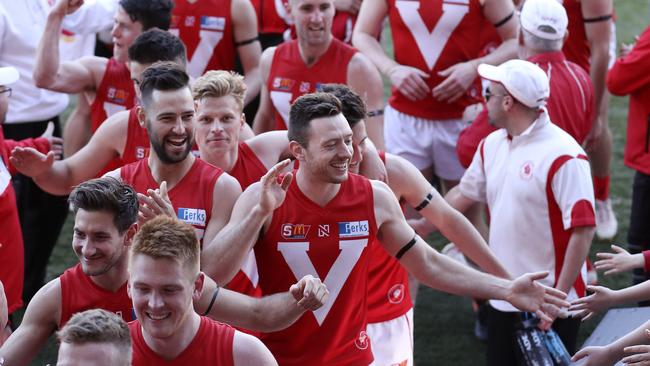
(576, 47)
(137, 140)
(191, 197)
(290, 78)
(248, 169)
(115, 93)
(332, 243)
(388, 283)
(80, 293)
(433, 35)
(538, 188)
(212, 345)
(272, 16)
(11, 237)
(206, 29)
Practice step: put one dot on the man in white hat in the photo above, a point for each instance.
(536, 181)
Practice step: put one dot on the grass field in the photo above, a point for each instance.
(444, 323)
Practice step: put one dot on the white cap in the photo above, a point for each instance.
(524, 80)
(8, 75)
(545, 19)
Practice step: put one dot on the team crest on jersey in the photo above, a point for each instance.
(295, 231)
(117, 96)
(526, 171)
(213, 23)
(194, 216)
(363, 341)
(352, 229)
(283, 83)
(396, 294)
(304, 86)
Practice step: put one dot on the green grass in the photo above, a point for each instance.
(444, 323)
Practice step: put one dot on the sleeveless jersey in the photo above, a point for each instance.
(212, 345)
(137, 140)
(80, 293)
(191, 197)
(576, 48)
(332, 243)
(290, 78)
(11, 237)
(432, 35)
(248, 169)
(272, 16)
(115, 93)
(205, 28)
(388, 283)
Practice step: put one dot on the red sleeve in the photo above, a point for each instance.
(630, 73)
(582, 214)
(471, 136)
(40, 143)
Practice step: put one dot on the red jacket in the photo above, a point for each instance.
(630, 76)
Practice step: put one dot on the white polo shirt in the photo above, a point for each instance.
(537, 187)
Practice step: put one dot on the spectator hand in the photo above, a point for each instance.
(56, 143)
(311, 293)
(154, 203)
(619, 261)
(409, 81)
(526, 294)
(595, 356)
(601, 299)
(30, 161)
(458, 79)
(640, 353)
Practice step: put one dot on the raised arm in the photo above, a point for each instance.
(248, 46)
(264, 119)
(58, 177)
(225, 194)
(417, 191)
(40, 321)
(222, 256)
(267, 314)
(442, 273)
(70, 77)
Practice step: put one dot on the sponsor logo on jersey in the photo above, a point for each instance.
(295, 231)
(194, 216)
(352, 229)
(304, 86)
(189, 21)
(213, 23)
(140, 152)
(323, 231)
(283, 83)
(117, 96)
(526, 171)
(363, 341)
(396, 294)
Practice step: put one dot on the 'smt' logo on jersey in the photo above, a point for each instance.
(295, 231)
(194, 216)
(116, 95)
(352, 229)
(213, 23)
(282, 83)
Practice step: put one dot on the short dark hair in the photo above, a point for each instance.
(307, 108)
(157, 45)
(162, 76)
(150, 13)
(107, 194)
(352, 106)
(98, 326)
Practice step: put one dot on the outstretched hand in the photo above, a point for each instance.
(595, 356)
(155, 202)
(601, 299)
(640, 353)
(30, 161)
(618, 261)
(273, 189)
(310, 293)
(526, 294)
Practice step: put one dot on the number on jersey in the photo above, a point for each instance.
(295, 254)
(432, 43)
